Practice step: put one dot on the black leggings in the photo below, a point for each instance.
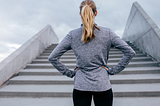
(84, 98)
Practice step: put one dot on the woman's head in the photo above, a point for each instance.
(88, 11)
(90, 3)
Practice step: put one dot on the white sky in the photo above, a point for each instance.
(22, 19)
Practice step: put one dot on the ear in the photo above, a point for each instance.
(80, 13)
(96, 13)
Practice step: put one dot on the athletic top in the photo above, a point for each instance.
(90, 57)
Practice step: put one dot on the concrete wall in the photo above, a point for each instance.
(142, 32)
(26, 53)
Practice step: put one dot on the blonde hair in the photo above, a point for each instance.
(88, 9)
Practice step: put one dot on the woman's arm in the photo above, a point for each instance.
(61, 48)
(129, 53)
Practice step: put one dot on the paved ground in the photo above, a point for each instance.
(151, 101)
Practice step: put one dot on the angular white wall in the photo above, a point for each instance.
(26, 53)
(142, 32)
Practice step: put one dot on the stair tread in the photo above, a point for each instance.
(108, 59)
(36, 101)
(64, 78)
(109, 55)
(126, 69)
(69, 88)
(146, 62)
(39, 70)
(72, 54)
(125, 101)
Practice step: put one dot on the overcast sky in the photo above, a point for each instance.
(22, 19)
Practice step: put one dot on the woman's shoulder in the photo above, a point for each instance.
(77, 30)
(104, 28)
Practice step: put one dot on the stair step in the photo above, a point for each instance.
(9, 101)
(49, 51)
(72, 54)
(141, 70)
(119, 79)
(135, 59)
(72, 66)
(132, 46)
(73, 57)
(41, 80)
(119, 90)
(40, 72)
(67, 101)
(71, 51)
(54, 72)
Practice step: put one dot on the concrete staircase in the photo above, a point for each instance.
(40, 84)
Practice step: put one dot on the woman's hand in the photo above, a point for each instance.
(76, 69)
(105, 67)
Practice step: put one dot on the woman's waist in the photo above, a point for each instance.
(90, 67)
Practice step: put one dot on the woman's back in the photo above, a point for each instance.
(91, 56)
(94, 53)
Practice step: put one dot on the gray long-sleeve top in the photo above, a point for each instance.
(90, 57)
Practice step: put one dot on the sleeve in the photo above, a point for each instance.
(61, 48)
(128, 52)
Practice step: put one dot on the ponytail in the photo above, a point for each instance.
(87, 16)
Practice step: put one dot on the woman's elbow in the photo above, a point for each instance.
(133, 53)
(51, 58)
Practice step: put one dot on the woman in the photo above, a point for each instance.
(91, 44)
